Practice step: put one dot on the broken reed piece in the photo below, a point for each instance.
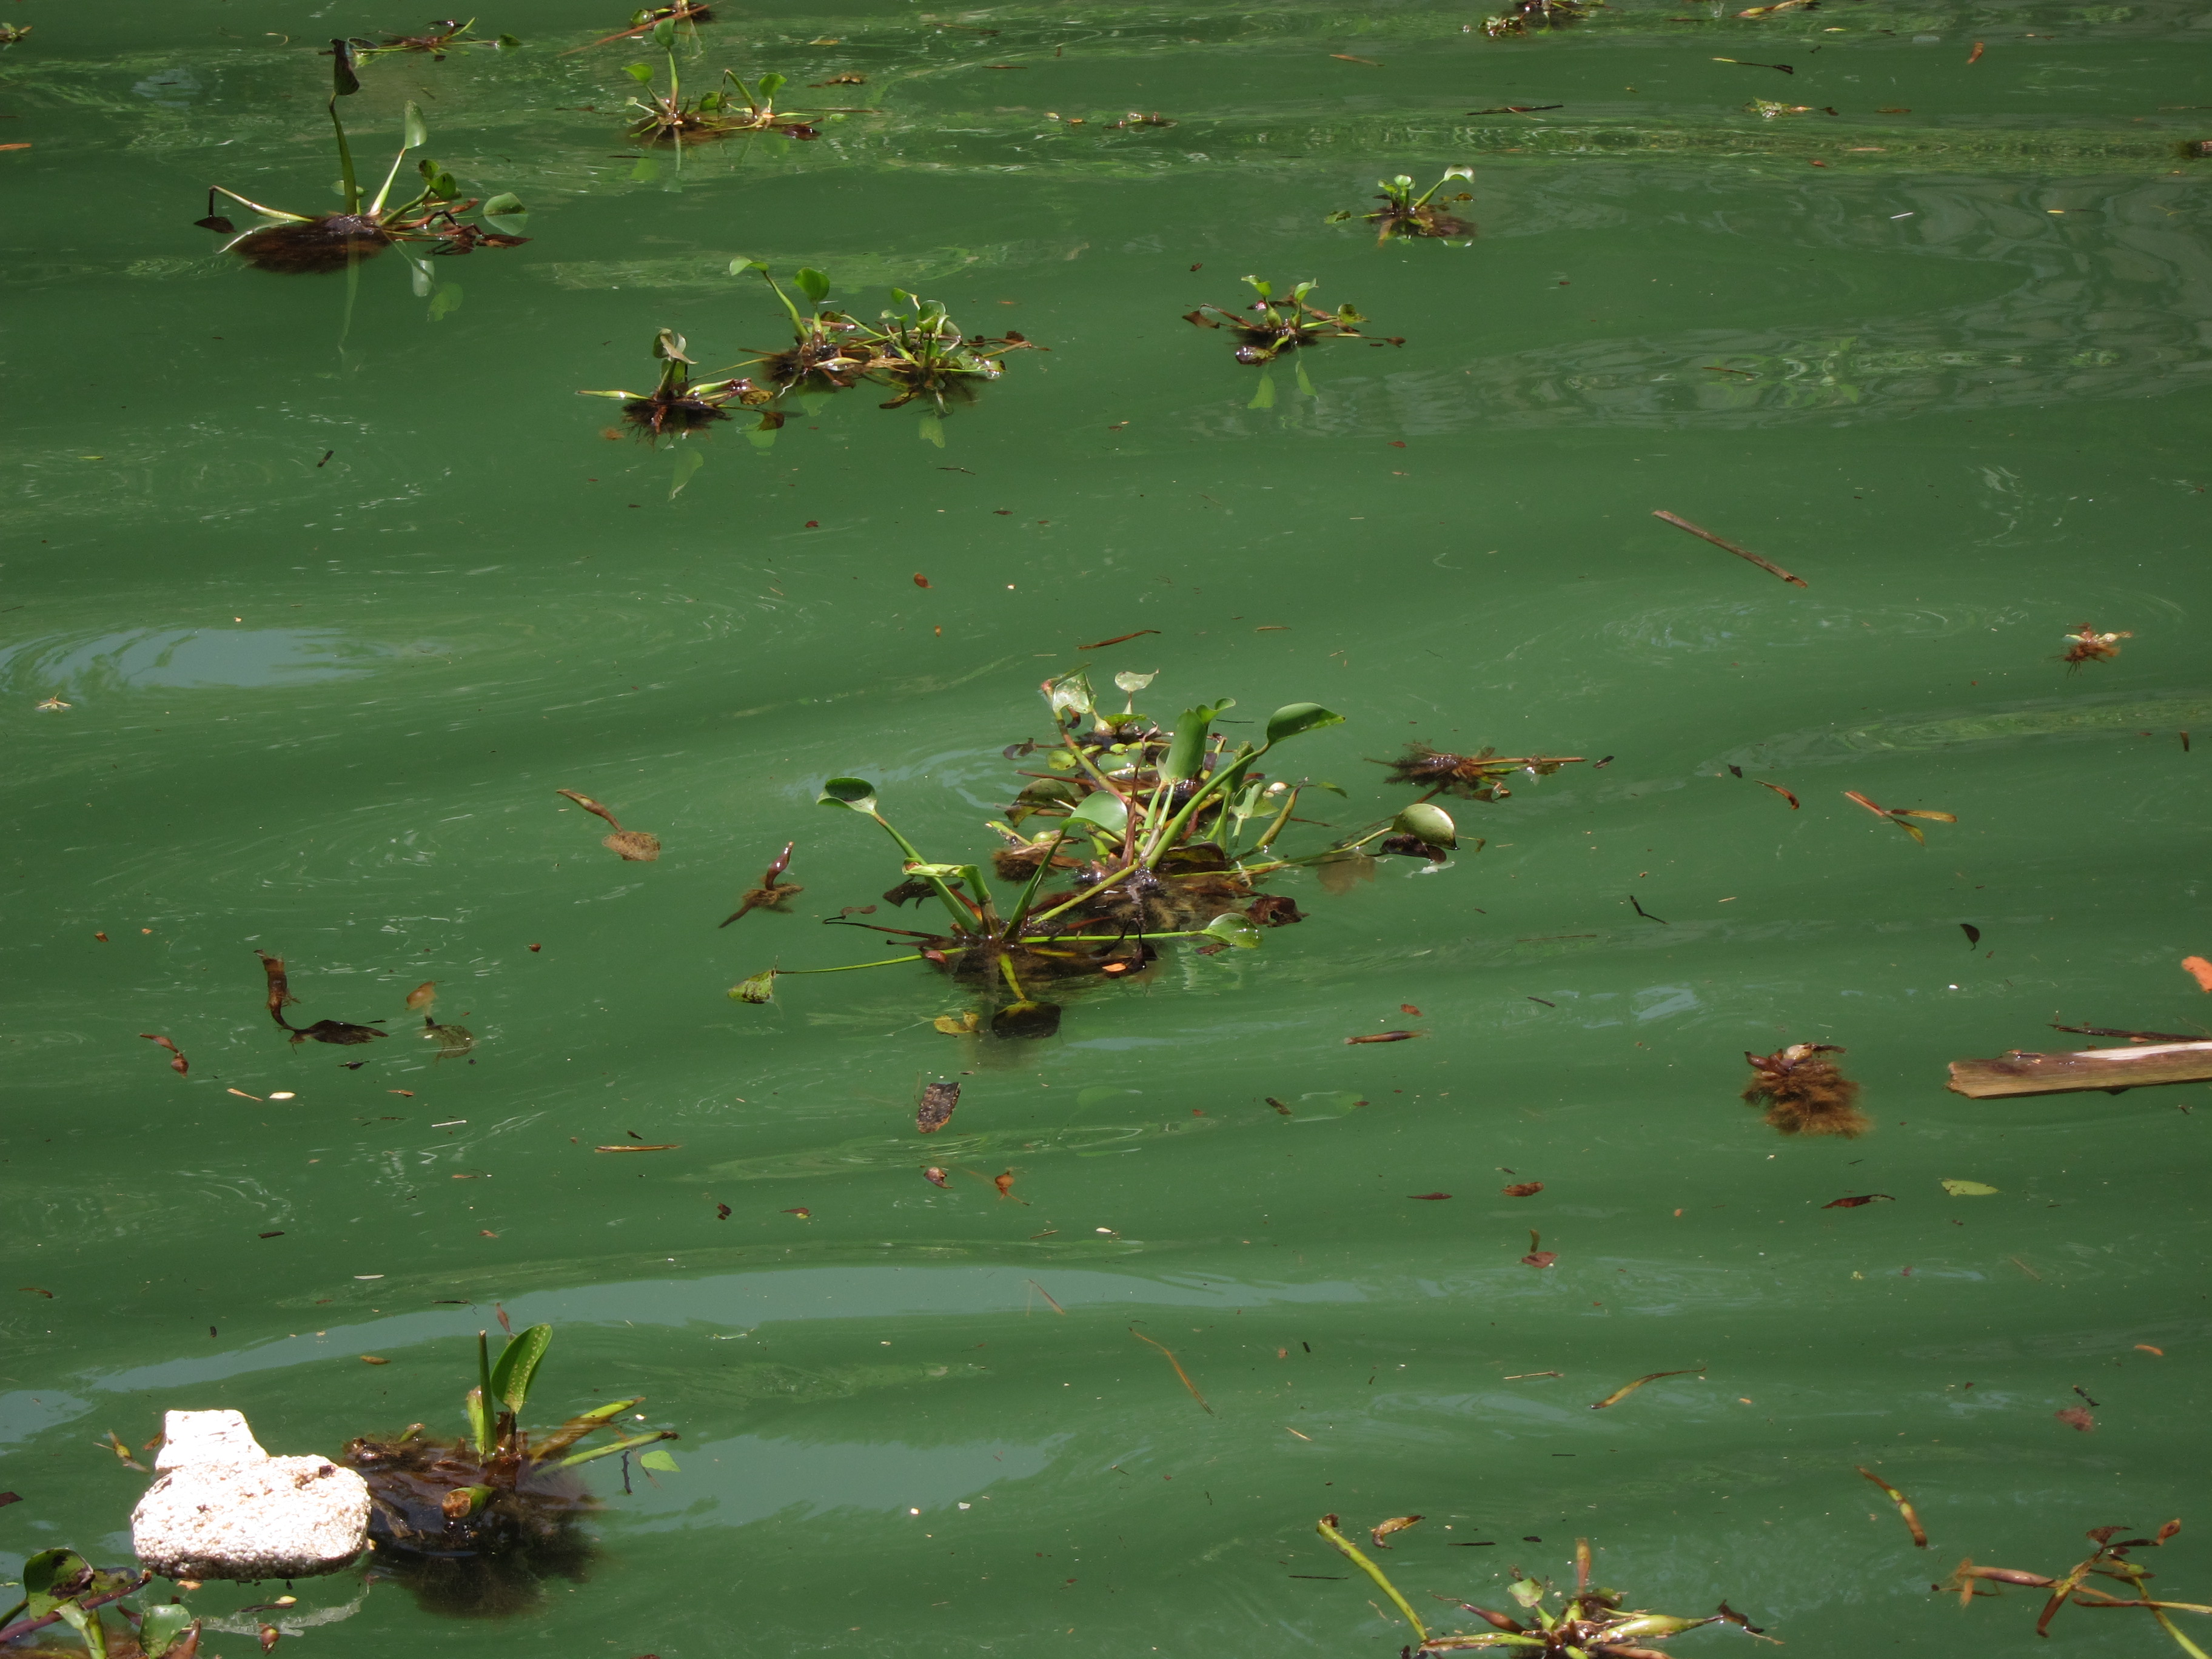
(1740, 552)
(2020, 1072)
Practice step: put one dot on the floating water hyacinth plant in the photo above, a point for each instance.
(1270, 326)
(680, 405)
(1158, 834)
(299, 243)
(471, 1525)
(60, 1587)
(444, 34)
(1525, 14)
(731, 108)
(1588, 1624)
(829, 350)
(920, 352)
(2110, 1561)
(1405, 213)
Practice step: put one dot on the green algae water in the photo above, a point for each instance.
(318, 588)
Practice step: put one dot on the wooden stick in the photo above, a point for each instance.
(1740, 552)
(2023, 1073)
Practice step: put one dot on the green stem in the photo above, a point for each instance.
(630, 1444)
(1089, 892)
(961, 913)
(1230, 777)
(1282, 817)
(345, 160)
(1037, 875)
(377, 206)
(1007, 971)
(850, 967)
(482, 1412)
(1375, 1572)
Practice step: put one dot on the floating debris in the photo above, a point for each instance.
(1904, 1507)
(774, 892)
(1897, 815)
(322, 1031)
(1479, 776)
(635, 845)
(177, 1061)
(2086, 645)
(1803, 1092)
(936, 1108)
(2017, 1071)
(1765, 564)
(1627, 1389)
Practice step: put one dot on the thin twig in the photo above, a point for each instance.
(1740, 552)
(1179, 1371)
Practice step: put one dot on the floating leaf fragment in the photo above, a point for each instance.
(2076, 1417)
(1973, 933)
(1904, 1508)
(1778, 790)
(1385, 1036)
(935, 1108)
(1183, 1374)
(1627, 1389)
(177, 1062)
(1428, 1195)
(761, 988)
(1522, 1189)
(1968, 1189)
(2198, 969)
(1395, 1523)
(640, 1146)
(934, 1176)
(422, 996)
(1854, 1202)
(1537, 1258)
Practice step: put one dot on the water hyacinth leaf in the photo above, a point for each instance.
(761, 988)
(663, 34)
(415, 132)
(518, 1364)
(1234, 929)
(1187, 749)
(642, 74)
(43, 1571)
(159, 1629)
(1425, 821)
(505, 213)
(664, 1462)
(856, 794)
(1109, 812)
(1132, 683)
(86, 1625)
(1291, 719)
(344, 82)
(1071, 694)
(436, 181)
(771, 83)
(813, 283)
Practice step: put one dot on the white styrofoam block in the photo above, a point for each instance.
(206, 1437)
(282, 1517)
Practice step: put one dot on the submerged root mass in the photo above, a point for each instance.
(1804, 1092)
(315, 245)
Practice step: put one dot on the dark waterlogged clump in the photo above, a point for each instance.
(1157, 834)
(1805, 1093)
(472, 1526)
(322, 1031)
(1404, 214)
(296, 244)
(1269, 327)
(1521, 15)
(1590, 1623)
(63, 1591)
(679, 405)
